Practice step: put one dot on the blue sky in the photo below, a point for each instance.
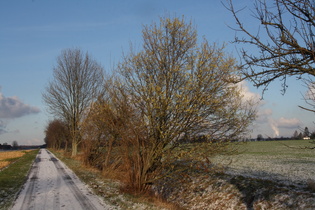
(34, 32)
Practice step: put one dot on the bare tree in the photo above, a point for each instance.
(57, 134)
(15, 144)
(176, 87)
(295, 135)
(284, 39)
(78, 81)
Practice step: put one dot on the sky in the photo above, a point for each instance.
(34, 32)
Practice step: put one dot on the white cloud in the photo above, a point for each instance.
(247, 94)
(288, 123)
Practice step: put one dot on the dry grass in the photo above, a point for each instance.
(9, 156)
(4, 163)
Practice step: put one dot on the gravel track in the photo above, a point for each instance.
(52, 185)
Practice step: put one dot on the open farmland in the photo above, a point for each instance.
(263, 175)
(7, 157)
(284, 161)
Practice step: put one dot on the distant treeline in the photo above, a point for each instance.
(272, 139)
(21, 147)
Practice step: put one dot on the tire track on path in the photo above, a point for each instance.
(81, 198)
(51, 185)
(28, 199)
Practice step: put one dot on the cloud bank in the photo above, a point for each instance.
(249, 95)
(289, 123)
(13, 107)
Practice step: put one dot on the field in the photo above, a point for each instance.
(262, 175)
(7, 157)
(284, 161)
(13, 177)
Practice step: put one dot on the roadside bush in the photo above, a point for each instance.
(94, 154)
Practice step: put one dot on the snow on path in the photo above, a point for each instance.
(52, 185)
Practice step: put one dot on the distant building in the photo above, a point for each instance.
(306, 138)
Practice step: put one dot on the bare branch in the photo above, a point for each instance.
(285, 45)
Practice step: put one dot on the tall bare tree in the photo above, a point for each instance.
(179, 87)
(15, 144)
(78, 81)
(284, 39)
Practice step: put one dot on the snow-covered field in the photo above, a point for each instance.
(284, 161)
(265, 175)
(284, 169)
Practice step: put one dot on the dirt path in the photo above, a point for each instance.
(51, 185)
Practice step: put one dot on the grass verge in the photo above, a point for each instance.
(13, 177)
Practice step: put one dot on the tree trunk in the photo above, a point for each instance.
(74, 148)
(109, 151)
